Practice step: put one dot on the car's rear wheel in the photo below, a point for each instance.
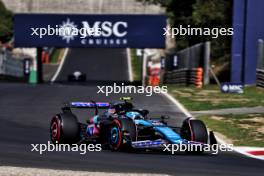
(121, 133)
(64, 128)
(55, 129)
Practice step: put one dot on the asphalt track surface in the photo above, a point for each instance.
(26, 111)
(99, 65)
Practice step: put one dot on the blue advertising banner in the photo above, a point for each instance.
(113, 31)
(248, 29)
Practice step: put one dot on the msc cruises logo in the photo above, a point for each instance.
(232, 88)
(68, 28)
(95, 33)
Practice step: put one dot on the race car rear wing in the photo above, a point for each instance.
(89, 104)
(85, 105)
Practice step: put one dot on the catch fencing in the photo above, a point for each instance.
(260, 65)
(9, 65)
(188, 66)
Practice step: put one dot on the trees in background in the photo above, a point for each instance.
(204, 14)
(6, 23)
(215, 13)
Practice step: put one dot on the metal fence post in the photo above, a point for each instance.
(39, 66)
(144, 65)
(260, 64)
(207, 50)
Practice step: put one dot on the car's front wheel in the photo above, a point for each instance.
(194, 130)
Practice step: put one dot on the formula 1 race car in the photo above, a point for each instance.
(77, 76)
(121, 126)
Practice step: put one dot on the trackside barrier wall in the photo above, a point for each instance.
(185, 77)
(188, 58)
(188, 66)
(9, 66)
(260, 78)
(260, 65)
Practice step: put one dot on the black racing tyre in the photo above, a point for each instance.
(64, 128)
(71, 78)
(194, 130)
(121, 133)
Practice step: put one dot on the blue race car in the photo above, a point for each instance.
(121, 127)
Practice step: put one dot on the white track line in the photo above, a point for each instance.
(60, 66)
(242, 151)
(129, 65)
(178, 104)
(237, 149)
(20, 171)
(219, 140)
